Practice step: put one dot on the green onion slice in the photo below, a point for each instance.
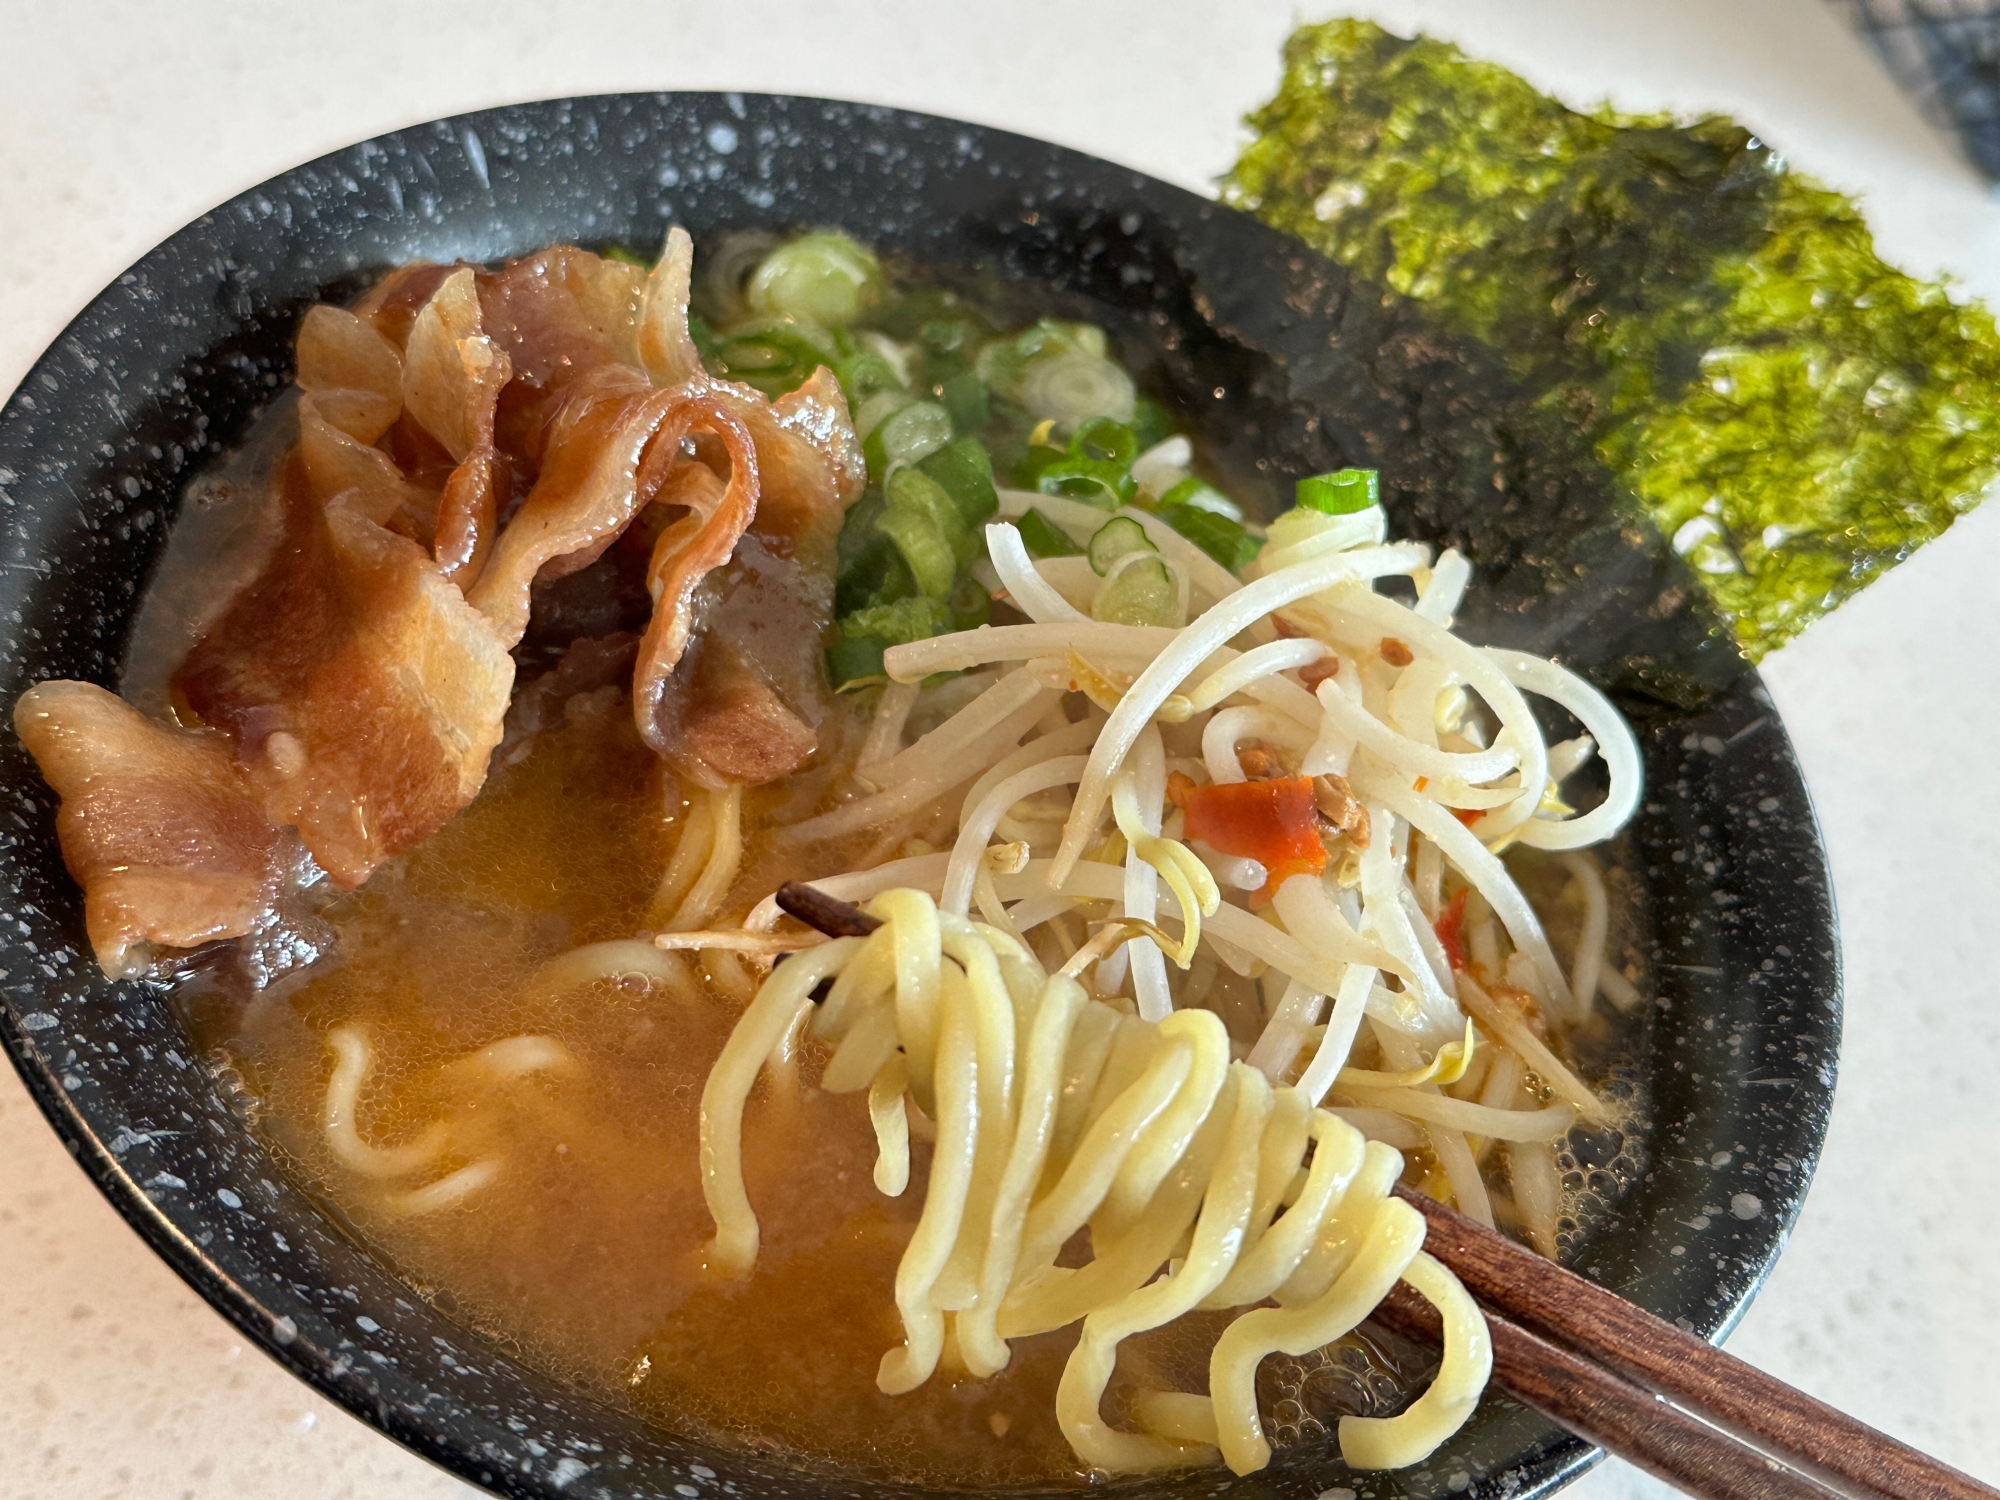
(774, 354)
(1341, 492)
(924, 522)
(1113, 540)
(1141, 593)
(855, 662)
(964, 396)
(1093, 481)
(1043, 538)
(1106, 441)
(909, 433)
(1225, 540)
(965, 470)
(826, 277)
(1201, 495)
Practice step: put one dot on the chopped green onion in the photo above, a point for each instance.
(923, 521)
(911, 432)
(878, 574)
(1107, 441)
(1152, 423)
(965, 471)
(1113, 540)
(863, 371)
(1202, 495)
(1221, 538)
(1003, 363)
(924, 548)
(1142, 592)
(964, 396)
(948, 335)
(855, 661)
(939, 409)
(1072, 387)
(826, 277)
(1043, 538)
(1093, 481)
(706, 344)
(901, 358)
(1027, 474)
(870, 570)
(970, 605)
(625, 255)
(855, 657)
(898, 624)
(1341, 492)
(775, 354)
(910, 316)
(872, 409)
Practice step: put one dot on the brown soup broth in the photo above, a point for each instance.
(585, 1252)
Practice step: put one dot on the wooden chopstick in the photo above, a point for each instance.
(829, 914)
(1600, 1365)
(1611, 1412)
(1538, 1297)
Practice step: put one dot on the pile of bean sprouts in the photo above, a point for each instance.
(1058, 825)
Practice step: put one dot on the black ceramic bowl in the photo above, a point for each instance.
(1279, 359)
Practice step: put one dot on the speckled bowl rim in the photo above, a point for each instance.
(81, 498)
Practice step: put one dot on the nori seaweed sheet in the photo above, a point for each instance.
(1792, 413)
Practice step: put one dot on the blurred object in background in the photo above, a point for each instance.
(1947, 54)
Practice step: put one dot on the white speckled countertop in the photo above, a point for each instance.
(121, 120)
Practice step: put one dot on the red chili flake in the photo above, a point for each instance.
(1274, 822)
(1395, 653)
(1450, 927)
(1468, 815)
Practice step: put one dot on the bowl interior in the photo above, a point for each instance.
(1287, 367)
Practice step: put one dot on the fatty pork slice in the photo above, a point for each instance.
(560, 316)
(160, 826)
(452, 377)
(722, 465)
(354, 373)
(805, 439)
(588, 491)
(730, 685)
(362, 693)
(412, 427)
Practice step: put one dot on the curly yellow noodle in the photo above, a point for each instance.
(1162, 1142)
(1272, 1255)
(762, 1027)
(1395, 1234)
(1059, 1296)
(1100, 1153)
(1224, 1212)
(1414, 1433)
(955, 1088)
(891, 1120)
(994, 1021)
(1049, 1032)
(1340, 1237)
(1203, 1185)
